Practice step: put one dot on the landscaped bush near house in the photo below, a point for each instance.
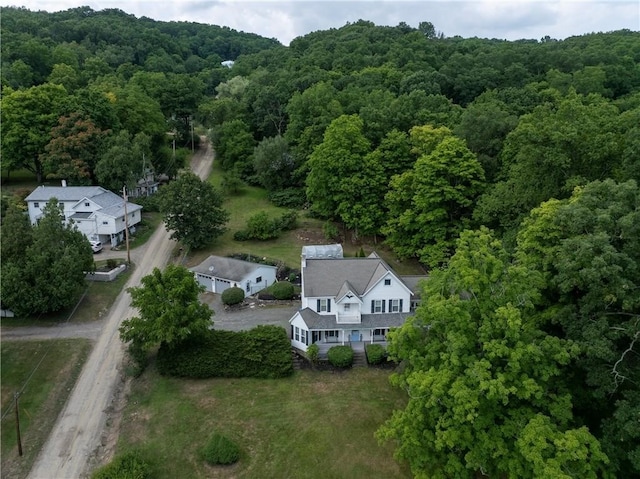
(261, 352)
(127, 466)
(231, 296)
(376, 353)
(220, 450)
(313, 353)
(340, 356)
(282, 290)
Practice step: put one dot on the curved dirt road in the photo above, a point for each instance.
(77, 432)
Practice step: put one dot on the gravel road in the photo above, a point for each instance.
(77, 432)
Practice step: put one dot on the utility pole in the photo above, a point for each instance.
(126, 223)
(192, 144)
(15, 399)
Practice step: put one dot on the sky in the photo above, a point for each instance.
(285, 20)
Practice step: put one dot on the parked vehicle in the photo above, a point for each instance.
(96, 246)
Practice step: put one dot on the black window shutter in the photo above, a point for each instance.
(383, 301)
(400, 304)
(373, 310)
(292, 331)
(318, 308)
(329, 305)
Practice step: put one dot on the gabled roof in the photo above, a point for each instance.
(227, 268)
(413, 283)
(66, 193)
(346, 289)
(326, 277)
(109, 203)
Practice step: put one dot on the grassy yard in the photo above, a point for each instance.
(314, 424)
(58, 364)
(251, 200)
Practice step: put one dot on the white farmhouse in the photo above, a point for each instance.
(350, 301)
(98, 213)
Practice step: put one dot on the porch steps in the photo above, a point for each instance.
(359, 359)
(298, 361)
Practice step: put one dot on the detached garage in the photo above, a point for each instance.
(217, 273)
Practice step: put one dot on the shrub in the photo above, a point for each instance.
(288, 221)
(289, 198)
(231, 296)
(127, 466)
(313, 353)
(376, 353)
(282, 290)
(111, 263)
(361, 253)
(330, 231)
(340, 356)
(242, 235)
(261, 227)
(220, 450)
(261, 352)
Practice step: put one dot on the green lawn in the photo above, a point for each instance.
(58, 364)
(314, 424)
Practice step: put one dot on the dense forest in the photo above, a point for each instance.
(509, 168)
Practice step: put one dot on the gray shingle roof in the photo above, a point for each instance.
(326, 277)
(413, 283)
(317, 321)
(110, 203)
(227, 268)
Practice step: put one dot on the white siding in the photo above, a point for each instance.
(395, 290)
(297, 322)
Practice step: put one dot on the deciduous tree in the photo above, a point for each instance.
(192, 210)
(168, 307)
(484, 382)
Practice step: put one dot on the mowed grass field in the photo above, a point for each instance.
(311, 425)
(45, 372)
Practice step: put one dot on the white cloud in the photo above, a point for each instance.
(285, 20)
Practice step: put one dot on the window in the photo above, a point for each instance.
(347, 307)
(297, 336)
(36, 205)
(87, 203)
(387, 282)
(259, 279)
(395, 305)
(377, 306)
(304, 336)
(324, 305)
(105, 222)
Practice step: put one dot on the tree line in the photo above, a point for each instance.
(509, 168)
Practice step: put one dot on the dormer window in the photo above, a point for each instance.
(387, 282)
(347, 307)
(86, 203)
(36, 205)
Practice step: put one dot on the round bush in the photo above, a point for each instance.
(127, 466)
(282, 290)
(231, 296)
(341, 356)
(220, 450)
(313, 353)
(376, 353)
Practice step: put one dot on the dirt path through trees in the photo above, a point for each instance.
(79, 428)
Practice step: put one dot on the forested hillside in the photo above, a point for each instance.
(530, 149)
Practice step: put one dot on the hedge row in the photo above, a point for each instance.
(262, 352)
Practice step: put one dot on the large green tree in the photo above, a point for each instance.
(169, 310)
(344, 180)
(587, 247)
(27, 119)
(192, 210)
(484, 382)
(431, 204)
(50, 274)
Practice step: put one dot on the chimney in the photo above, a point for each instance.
(64, 183)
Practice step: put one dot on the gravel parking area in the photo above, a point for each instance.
(252, 313)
